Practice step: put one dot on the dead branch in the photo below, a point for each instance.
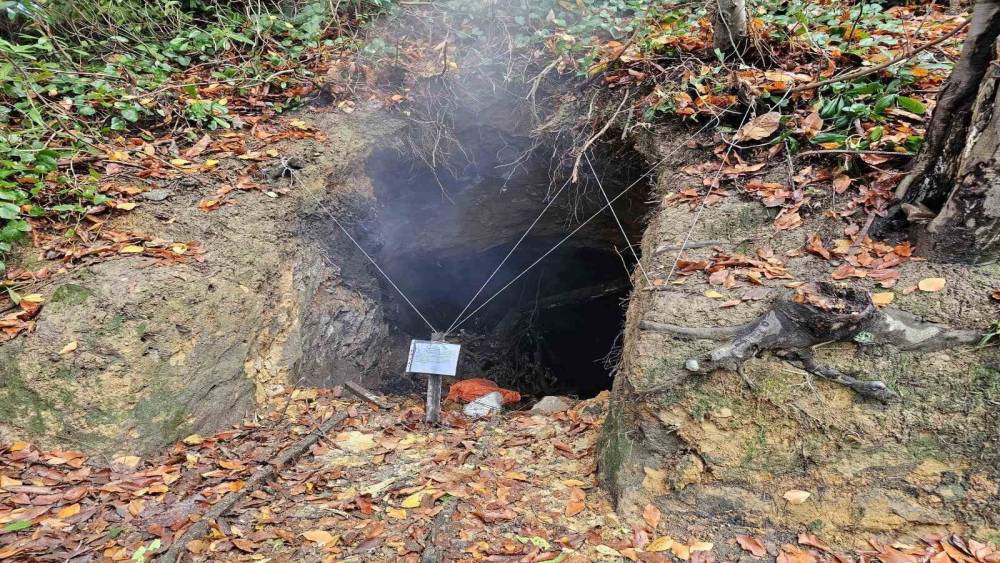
(574, 177)
(262, 475)
(865, 72)
(814, 314)
(367, 395)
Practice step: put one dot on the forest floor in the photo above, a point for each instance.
(381, 486)
(519, 487)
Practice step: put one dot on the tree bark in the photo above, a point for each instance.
(729, 25)
(955, 178)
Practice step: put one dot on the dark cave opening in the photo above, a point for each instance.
(441, 232)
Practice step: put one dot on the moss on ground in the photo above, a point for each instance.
(20, 405)
(71, 294)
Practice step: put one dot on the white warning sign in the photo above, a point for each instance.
(439, 358)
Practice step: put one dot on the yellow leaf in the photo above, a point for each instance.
(883, 297)
(6, 481)
(127, 206)
(321, 537)
(701, 546)
(273, 153)
(661, 543)
(179, 161)
(131, 249)
(193, 440)
(573, 483)
(211, 163)
(681, 551)
(179, 248)
(71, 347)
(33, 298)
(397, 513)
(135, 507)
(931, 284)
(713, 294)
(231, 464)
(130, 461)
(69, 511)
(796, 496)
(414, 500)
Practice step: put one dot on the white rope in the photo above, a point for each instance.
(638, 262)
(377, 267)
(574, 231)
(504, 261)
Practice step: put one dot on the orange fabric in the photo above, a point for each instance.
(469, 390)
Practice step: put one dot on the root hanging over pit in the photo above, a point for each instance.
(818, 313)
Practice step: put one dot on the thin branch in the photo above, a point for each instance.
(865, 72)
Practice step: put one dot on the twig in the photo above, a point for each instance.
(863, 234)
(576, 164)
(865, 72)
(853, 151)
(368, 395)
(262, 475)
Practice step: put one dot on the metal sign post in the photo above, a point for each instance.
(434, 358)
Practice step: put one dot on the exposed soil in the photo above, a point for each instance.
(711, 450)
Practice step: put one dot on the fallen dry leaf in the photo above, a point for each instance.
(322, 537)
(760, 127)
(931, 285)
(796, 496)
(651, 515)
(661, 543)
(883, 297)
(753, 545)
(574, 507)
(69, 511)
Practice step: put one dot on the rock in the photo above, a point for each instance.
(552, 404)
(155, 195)
(485, 405)
(687, 472)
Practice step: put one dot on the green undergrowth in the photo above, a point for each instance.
(662, 53)
(76, 75)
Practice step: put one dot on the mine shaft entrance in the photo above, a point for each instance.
(441, 232)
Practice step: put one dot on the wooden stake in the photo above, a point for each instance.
(434, 389)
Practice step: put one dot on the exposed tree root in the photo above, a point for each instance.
(817, 313)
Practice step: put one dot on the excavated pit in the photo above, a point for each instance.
(441, 232)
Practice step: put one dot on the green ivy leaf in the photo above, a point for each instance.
(912, 105)
(17, 525)
(130, 114)
(884, 103)
(9, 211)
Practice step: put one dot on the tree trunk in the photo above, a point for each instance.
(955, 178)
(730, 27)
